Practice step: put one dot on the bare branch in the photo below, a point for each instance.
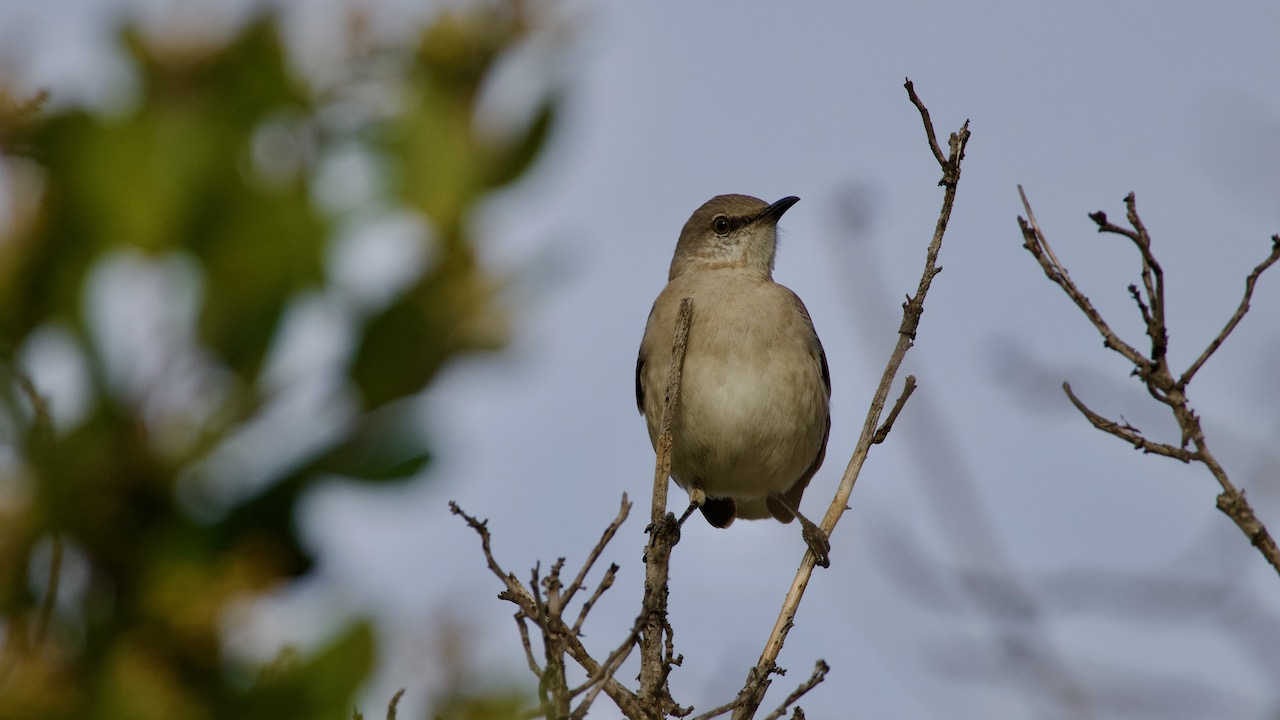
(1041, 240)
(609, 532)
(1231, 500)
(556, 636)
(1249, 283)
(907, 388)
(626, 700)
(606, 582)
(1128, 433)
(520, 618)
(1143, 310)
(820, 670)
(928, 126)
(1154, 370)
(540, 616)
(603, 675)
(1038, 245)
(515, 591)
(1152, 276)
(1237, 508)
(758, 679)
(749, 697)
(664, 533)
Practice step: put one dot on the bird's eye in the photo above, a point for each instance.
(720, 225)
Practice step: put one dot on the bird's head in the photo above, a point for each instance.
(737, 231)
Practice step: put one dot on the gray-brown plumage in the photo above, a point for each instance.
(753, 417)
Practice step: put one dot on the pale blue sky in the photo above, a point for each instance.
(669, 104)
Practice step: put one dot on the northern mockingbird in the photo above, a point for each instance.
(751, 424)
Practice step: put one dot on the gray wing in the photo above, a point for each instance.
(641, 361)
(817, 348)
(796, 491)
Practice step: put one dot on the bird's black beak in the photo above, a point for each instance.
(774, 212)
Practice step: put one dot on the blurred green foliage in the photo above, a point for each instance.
(214, 168)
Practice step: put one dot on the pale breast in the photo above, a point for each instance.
(754, 406)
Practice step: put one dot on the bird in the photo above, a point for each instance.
(752, 419)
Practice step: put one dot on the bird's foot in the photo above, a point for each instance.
(813, 536)
(668, 527)
(817, 540)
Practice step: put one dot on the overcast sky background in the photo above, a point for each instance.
(1000, 558)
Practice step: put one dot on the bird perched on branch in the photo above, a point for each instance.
(751, 423)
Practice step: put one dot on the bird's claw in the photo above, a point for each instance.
(818, 543)
(670, 527)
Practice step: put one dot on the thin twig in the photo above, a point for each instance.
(527, 643)
(1249, 283)
(758, 679)
(1128, 433)
(1143, 310)
(820, 670)
(540, 615)
(1152, 278)
(611, 663)
(1042, 239)
(928, 123)
(614, 659)
(1038, 245)
(626, 700)
(883, 432)
(608, 534)
(603, 675)
(515, 591)
(606, 582)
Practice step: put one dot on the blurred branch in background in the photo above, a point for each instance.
(163, 403)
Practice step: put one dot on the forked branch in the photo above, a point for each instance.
(1153, 368)
(543, 604)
